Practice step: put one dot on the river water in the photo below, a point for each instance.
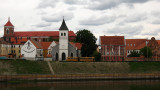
(87, 85)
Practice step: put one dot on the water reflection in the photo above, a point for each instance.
(88, 85)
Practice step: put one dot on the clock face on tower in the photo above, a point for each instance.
(29, 48)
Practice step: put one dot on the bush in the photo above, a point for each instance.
(97, 56)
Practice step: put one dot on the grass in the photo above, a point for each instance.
(144, 67)
(13, 67)
(27, 67)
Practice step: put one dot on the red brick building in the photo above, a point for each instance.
(134, 45)
(12, 36)
(112, 48)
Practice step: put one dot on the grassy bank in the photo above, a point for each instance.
(14, 67)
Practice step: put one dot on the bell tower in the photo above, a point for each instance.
(63, 41)
(8, 30)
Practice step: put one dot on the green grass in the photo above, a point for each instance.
(144, 67)
(27, 67)
(13, 67)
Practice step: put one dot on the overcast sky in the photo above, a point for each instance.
(131, 18)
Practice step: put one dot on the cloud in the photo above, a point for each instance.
(107, 4)
(136, 17)
(47, 3)
(58, 17)
(44, 24)
(131, 30)
(156, 21)
(93, 20)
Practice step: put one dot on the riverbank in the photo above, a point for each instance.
(41, 70)
(79, 77)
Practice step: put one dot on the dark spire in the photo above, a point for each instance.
(63, 26)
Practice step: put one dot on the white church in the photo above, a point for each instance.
(59, 51)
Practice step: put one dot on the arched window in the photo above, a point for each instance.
(71, 54)
(7, 31)
(64, 34)
(61, 34)
(56, 56)
(63, 56)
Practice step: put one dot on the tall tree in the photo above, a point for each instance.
(146, 52)
(88, 41)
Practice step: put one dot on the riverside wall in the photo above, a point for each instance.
(80, 77)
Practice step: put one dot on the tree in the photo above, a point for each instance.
(134, 54)
(88, 41)
(146, 52)
(97, 55)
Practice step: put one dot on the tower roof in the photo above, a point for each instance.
(8, 23)
(63, 26)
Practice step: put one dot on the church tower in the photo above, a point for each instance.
(8, 30)
(63, 41)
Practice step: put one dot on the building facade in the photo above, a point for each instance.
(112, 48)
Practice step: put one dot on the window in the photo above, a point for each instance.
(61, 34)
(134, 44)
(64, 34)
(7, 31)
(128, 44)
(19, 51)
(131, 44)
(128, 51)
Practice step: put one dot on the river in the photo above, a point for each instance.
(84, 85)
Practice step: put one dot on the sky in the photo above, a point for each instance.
(134, 19)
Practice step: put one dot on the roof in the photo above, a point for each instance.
(19, 40)
(63, 26)
(112, 40)
(45, 45)
(8, 23)
(158, 42)
(36, 44)
(39, 33)
(135, 44)
(77, 45)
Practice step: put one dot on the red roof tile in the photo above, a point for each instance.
(158, 42)
(36, 44)
(112, 40)
(135, 44)
(39, 33)
(8, 23)
(45, 45)
(19, 40)
(78, 45)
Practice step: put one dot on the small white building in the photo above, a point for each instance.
(31, 50)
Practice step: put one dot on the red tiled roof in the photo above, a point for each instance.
(137, 44)
(19, 40)
(8, 23)
(158, 42)
(39, 33)
(45, 45)
(36, 44)
(112, 40)
(78, 45)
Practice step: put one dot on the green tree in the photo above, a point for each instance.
(134, 54)
(97, 55)
(88, 41)
(146, 52)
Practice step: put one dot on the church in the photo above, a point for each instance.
(63, 47)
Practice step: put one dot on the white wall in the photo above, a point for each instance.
(51, 46)
(63, 43)
(28, 50)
